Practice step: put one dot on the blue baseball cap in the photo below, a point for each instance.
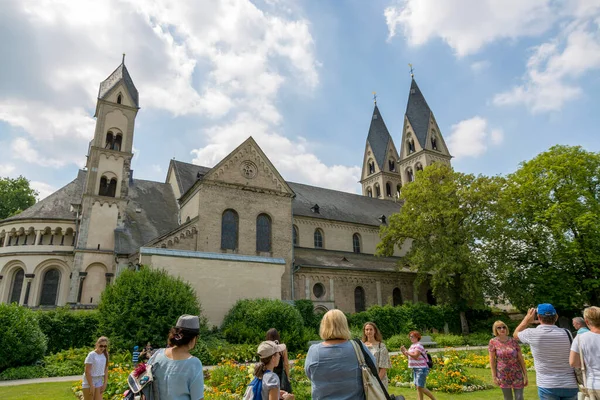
(546, 309)
(135, 348)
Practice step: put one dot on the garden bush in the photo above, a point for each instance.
(311, 320)
(23, 372)
(22, 342)
(249, 320)
(66, 329)
(142, 306)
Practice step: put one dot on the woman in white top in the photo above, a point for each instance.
(589, 343)
(95, 376)
(372, 339)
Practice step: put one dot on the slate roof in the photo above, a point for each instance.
(340, 206)
(418, 113)
(151, 212)
(113, 79)
(57, 206)
(340, 260)
(187, 174)
(378, 137)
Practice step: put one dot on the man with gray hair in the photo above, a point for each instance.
(579, 324)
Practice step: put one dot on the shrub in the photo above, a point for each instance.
(142, 306)
(25, 372)
(395, 342)
(311, 320)
(67, 362)
(22, 342)
(66, 329)
(248, 322)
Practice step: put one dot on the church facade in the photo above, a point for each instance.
(236, 230)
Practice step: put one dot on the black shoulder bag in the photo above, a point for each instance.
(375, 371)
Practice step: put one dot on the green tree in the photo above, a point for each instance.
(443, 218)
(21, 341)
(15, 196)
(545, 245)
(141, 306)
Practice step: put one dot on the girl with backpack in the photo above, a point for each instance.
(265, 385)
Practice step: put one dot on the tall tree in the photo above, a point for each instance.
(15, 196)
(545, 245)
(444, 215)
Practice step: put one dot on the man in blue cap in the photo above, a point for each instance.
(550, 347)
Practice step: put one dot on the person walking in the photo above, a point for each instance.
(507, 363)
(580, 325)
(95, 376)
(176, 372)
(589, 346)
(417, 360)
(373, 340)
(265, 385)
(282, 370)
(332, 365)
(550, 347)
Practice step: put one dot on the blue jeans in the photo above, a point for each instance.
(558, 393)
(420, 376)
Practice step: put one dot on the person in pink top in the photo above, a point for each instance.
(507, 363)
(417, 360)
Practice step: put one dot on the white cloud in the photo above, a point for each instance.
(468, 25)
(44, 190)
(553, 69)
(6, 170)
(23, 151)
(472, 138)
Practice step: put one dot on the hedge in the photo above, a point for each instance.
(22, 342)
(68, 329)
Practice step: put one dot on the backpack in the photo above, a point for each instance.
(253, 392)
(429, 359)
(141, 384)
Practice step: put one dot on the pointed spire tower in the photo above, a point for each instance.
(380, 177)
(422, 141)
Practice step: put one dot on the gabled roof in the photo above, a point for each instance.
(378, 138)
(187, 174)
(418, 113)
(339, 260)
(58, 204)
(340, 206)
(150, 212)
(118, 75)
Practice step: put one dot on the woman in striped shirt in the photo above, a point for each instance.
(417, 360)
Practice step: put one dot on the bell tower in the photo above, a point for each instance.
(380, 176)
(107, 180)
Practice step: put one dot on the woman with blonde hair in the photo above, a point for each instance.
(507, 363)
(373, 341)
(588, 344)
(331, 365)
(95, 376)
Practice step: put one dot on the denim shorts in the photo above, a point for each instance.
(98, 381)
(420, 376)
(557, 393)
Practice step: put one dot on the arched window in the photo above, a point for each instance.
(409, 175)
(359, 299)
(17, 285)
(50, 283)
(117, 143)
(318, 239)
(111, 190)
(431, 300)
(392, 165)
(369, 192)
(119, 99)
(229, 230)
(410, 146)
(377, 190)
(433, 142)
(263, 233)
(356, 243)
(388, 189)
(103, 186)
(419, 167)
(371, 167)
(295, 235)
(398, 188)
(109, 140)
(397, 297)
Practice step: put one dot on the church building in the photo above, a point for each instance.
(236, 230)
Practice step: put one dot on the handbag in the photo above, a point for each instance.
(584, 393)
(372, 385)
(577, 371)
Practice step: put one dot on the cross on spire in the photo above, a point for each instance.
(375, 98)
(412, 75)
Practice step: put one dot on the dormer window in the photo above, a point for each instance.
(382, 219)
(315, 209)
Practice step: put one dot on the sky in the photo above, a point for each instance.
(505, 79)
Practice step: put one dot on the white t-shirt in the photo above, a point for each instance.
(590, 347)
(550, 350)
(98, 362)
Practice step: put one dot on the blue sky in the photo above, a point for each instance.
(506, 80)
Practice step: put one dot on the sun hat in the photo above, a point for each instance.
(268, 348)
(189, 323)
(546, 309)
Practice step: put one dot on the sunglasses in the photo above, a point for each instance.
(501, 327)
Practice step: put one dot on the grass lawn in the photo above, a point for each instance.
(485, 374)
(36, 391)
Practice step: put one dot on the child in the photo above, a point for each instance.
(136, 355)
(265, 385)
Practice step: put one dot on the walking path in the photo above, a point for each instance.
(75, 378)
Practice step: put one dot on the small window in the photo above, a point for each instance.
(377, 191)
(434, 142)
(388, 189)
(359, 299)
(263, 233)
(382, 219)
(411, 146)
(410, 175)
(229, 230)
(119, 99)
(397, 297)
(392, 165)
(112, 188)
(318, 239)
(369, 192)
(419, 167)
(315, 209)
(356, 243)
(103, 186)
(109, 140)
(398, 188)
(295, 235)
(318, 290)
(117, 143)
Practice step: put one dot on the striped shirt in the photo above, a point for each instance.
(550, 347)
(420, 362)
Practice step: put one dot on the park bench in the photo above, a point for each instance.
(427, 341)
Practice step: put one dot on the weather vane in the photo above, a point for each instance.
(412, 75)
(375, 98)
